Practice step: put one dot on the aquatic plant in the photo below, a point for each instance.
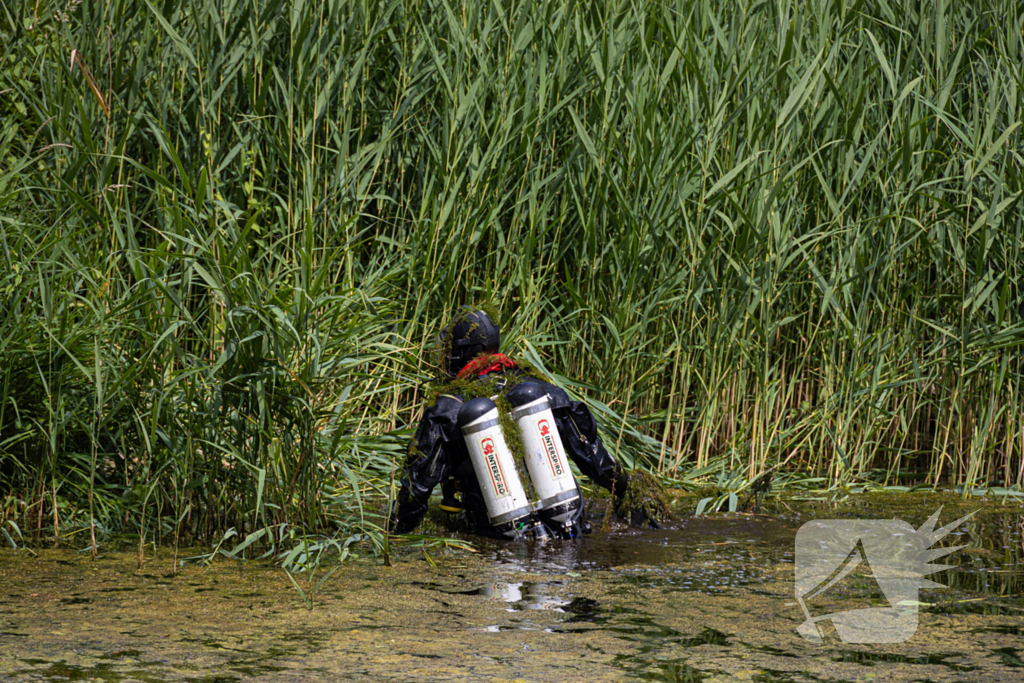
(746, 233)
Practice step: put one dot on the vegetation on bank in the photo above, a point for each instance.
(753, 234)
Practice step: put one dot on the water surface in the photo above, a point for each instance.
(705, 599)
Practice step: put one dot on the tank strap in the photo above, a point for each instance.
(560, 497)
(510, 515)
(473, 429)
(530, 410)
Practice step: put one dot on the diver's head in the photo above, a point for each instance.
(470, 334)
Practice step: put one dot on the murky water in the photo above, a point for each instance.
(708, 599)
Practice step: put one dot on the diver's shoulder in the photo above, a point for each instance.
(446, 405)
(557, 397)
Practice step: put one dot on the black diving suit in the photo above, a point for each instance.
(438, 455)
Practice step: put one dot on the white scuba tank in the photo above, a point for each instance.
(546, 461)
(508, 508)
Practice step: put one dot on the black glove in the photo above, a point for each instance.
(636, 515)
(640, 499)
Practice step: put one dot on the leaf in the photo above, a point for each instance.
(728, 177)
(584, 137)
(883, 62)
(201, 189)
(701, 504)
(994, 149)
(796, 96)
(249, 540)
(175, 37)
(302, 593)
(329, 575)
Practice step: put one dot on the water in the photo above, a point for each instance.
(706, 599)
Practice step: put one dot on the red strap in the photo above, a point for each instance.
(482, 365)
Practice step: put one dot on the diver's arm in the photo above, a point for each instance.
(578, 429)
(426, 466)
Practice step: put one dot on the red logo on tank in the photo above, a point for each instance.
(488, 446)
(554, 459)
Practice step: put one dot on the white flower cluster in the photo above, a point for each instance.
(64, 16)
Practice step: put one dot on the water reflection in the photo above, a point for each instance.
(761, 539)
(722, 554)
(719, 553)
(524, 596)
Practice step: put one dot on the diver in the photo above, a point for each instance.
(498, 434)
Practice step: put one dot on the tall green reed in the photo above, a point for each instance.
(751, 234)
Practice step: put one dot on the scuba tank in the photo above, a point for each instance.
(507, 506)
(546, 459)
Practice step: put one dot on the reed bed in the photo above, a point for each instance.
(752, 234)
